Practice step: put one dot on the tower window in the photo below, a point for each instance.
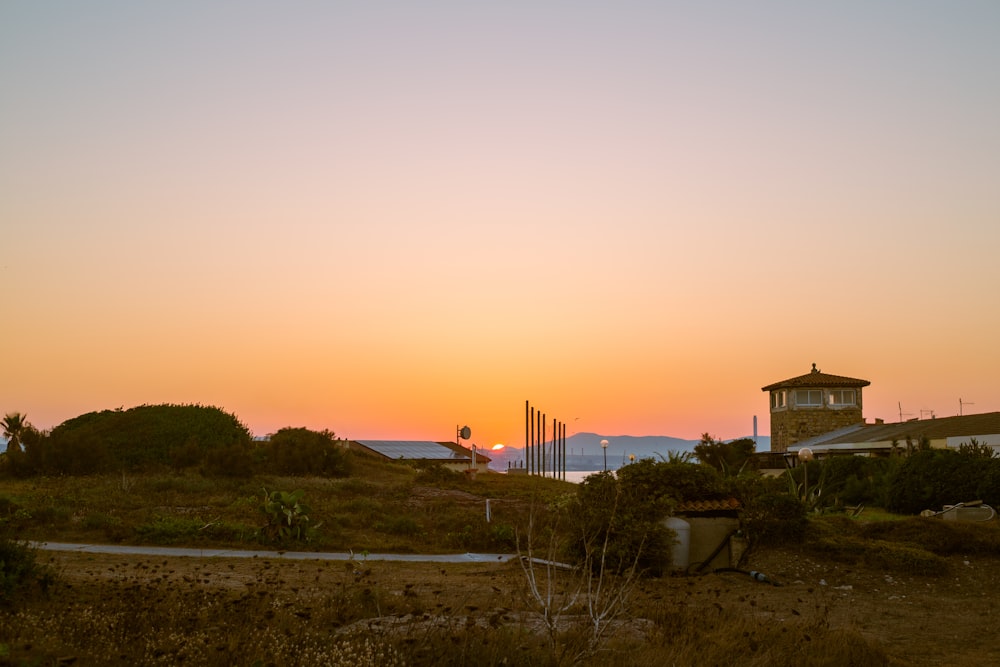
(842, 397)
(809, 397)
(777, 399)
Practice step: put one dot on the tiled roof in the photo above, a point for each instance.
(708, 505)
(817, 378)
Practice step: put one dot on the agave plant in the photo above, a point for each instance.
(287, 516)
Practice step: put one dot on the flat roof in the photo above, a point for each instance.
(413, 449)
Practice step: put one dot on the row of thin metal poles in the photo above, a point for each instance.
(541, 456)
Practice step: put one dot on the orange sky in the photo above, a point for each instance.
(389, 222)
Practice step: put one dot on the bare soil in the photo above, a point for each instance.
(918, 620)
(922, 620)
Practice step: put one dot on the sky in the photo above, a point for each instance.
(389, 219)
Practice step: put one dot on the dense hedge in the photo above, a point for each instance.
(150, 435)
(933, 478)
(299, 451)
(852, 480)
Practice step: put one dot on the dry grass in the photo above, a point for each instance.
(109, 610)
(384, 506)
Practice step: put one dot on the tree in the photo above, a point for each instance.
(14, 426)
(729, 458)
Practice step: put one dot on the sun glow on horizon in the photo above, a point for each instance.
(460, 237)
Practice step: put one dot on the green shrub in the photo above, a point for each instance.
(988, 482)
(930, 479)
(938, 535)
(887, 555)
(8, 510)
(504, 535)
(434, 474)
(398, 525)
(287, 516)
(299, 451)
(51, 515)
(660, 483)
(141, 437)
(773, 518)
(112, 527)
(182, 484)
(20, 571)
(169, 529)
(617, 523)
(904, 558)
(365, 511)
(852, 480)
(478, 535)
(233, 460)
(617, 520)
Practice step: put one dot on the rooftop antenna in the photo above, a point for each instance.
(961, 406)
(901, 413)
(924, 411)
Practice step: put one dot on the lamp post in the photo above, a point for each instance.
(805, 455)
(604, 446)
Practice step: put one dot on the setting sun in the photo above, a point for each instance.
(498, 446)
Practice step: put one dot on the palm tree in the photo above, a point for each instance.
(14, 425)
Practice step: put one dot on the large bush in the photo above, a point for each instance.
(618, 521)
(678, 482)
(299, 451)
(932, 478)
(616, 529)
(774, 518)
(852, 480)
(149, 435)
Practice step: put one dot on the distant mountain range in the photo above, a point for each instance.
(584, 452)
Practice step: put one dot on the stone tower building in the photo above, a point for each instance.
(812, 404)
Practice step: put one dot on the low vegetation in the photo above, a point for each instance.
(301, 491)
(150, 611)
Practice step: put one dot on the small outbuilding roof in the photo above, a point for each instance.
(411, 449)
(421, 450)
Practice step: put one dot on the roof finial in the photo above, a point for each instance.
(815, 370)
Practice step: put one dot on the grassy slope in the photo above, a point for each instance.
(381, 507)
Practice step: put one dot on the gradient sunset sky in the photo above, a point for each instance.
(392, 218)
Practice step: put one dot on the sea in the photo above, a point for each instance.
(577, 476)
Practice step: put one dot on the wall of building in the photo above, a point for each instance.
(993, 440)
(792, 424)
(481, 466)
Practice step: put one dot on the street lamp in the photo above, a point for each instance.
(805, 455)
(604, 446)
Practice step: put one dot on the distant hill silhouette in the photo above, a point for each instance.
(583, 450)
